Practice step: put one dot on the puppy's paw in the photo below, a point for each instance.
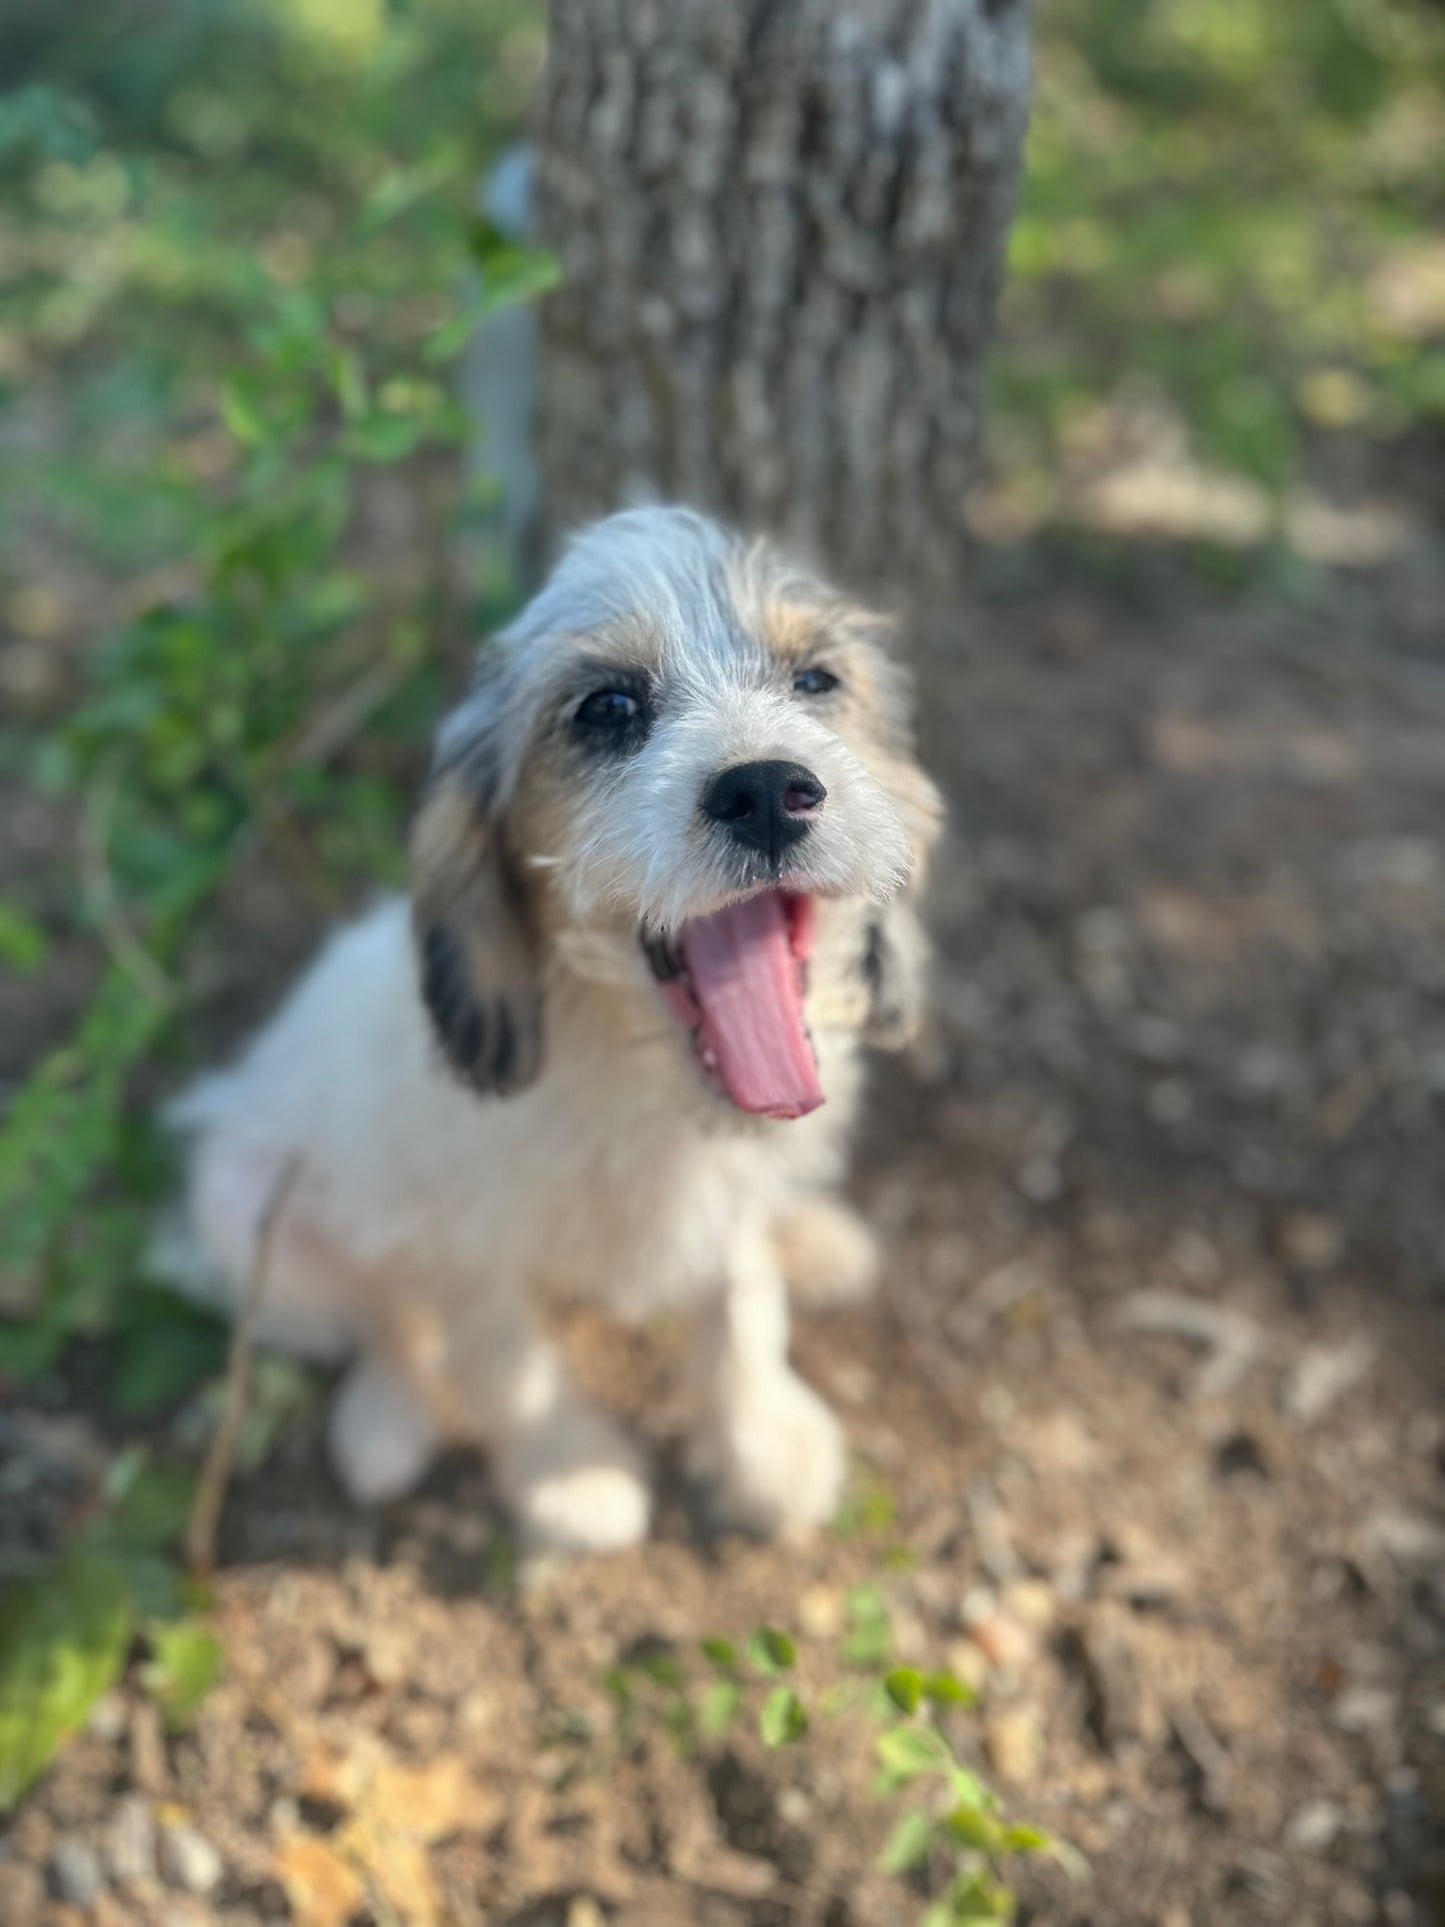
(827, 1253)
(380, 1439)
(777, 1458)
(575, 1484)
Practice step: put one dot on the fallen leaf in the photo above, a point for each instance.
(395, 1812)
(324, 1890)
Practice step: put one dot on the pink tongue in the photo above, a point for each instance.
(746, 981)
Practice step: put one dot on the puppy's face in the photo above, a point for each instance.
(676, 753)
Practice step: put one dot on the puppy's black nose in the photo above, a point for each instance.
(765, 805)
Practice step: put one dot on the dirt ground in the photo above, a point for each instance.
(1153, 1389)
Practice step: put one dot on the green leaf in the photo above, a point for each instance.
(63, 1642)
(152, 1514)
(29, 1348)
(975, 1828)
(979, 1899)
(185, 1663)
(782, 1720)
(617, 1683)
(909, 1844)
(904, 1686)
(1021, 1839)
(868, 1509)
(721, 1653)
(165, 1349)
(663, 1667)
(967, 1790)
(719, 1707)
(1067, 1856)
(771, 1652)
(946, 1689)
(282, 1391)
(910, 1752)
(58, 124)
(240, 413)
(869, 1638)
(158, 1589)
(383, 438)
(23, 944)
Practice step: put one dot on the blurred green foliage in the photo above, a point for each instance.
(239, 255)
(1233, 213)
(951, 1842)
(67, 1634)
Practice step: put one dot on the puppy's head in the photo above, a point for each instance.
(671, 768)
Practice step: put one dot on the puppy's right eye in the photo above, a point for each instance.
(607, 710)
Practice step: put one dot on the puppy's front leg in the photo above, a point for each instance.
(767, 1439)
(571, 1478)
(481, 1372)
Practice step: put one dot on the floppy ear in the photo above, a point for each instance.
(895, 963)
(895, 970)
(477, 951)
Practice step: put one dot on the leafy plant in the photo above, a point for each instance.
(957, 1841)
(234, 311)
(267, 360)
(1226, 207)
(67, 1635)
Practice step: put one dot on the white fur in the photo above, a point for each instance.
(429, 1229)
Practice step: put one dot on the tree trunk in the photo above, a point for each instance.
(781, 227)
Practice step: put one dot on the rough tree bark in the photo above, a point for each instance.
(781, 226)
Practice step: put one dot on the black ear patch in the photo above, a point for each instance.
(478, 958)
(494, 1043)
(449, 998)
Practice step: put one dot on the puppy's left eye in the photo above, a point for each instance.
(608, 709)
(815, 682)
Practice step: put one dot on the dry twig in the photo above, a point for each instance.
(221, 1454)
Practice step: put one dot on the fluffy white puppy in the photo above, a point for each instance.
(662, 884)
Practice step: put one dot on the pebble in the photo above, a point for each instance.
(794, 1806)
(968, 1662)
(1314, 1826)
(821, 1613)
(1014, 1744)
(77, 1870)
(1365, 1709)
(1353, 1904)
(189, 1860)
(1031, 1602)
(108, 1717)
(1411, 1538)
(1312, 1241)
(1322, 1376)
(130, 1841)
(1003, 1641)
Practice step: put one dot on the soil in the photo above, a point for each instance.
(1148, 1413)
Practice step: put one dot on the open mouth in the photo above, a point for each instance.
(737, 979)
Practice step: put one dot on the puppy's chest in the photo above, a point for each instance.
(642, 1226)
